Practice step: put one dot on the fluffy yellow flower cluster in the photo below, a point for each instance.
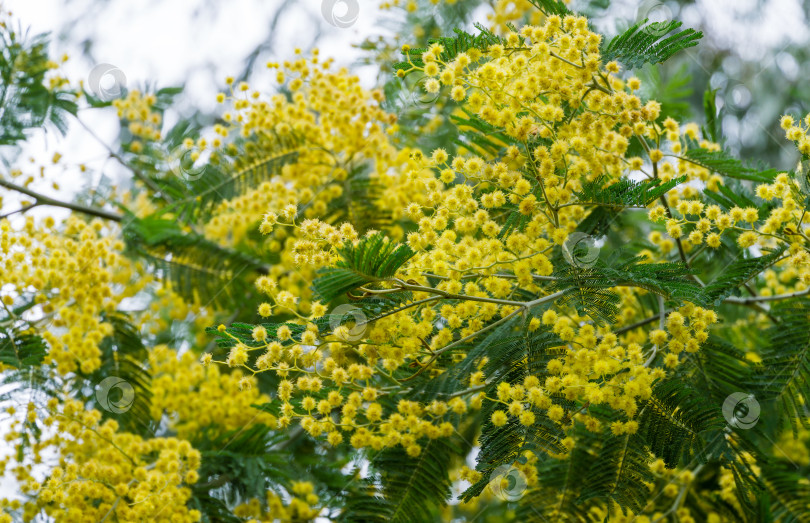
(103, 472)
(302, 506)
(487, 229)
(196, 398)
(335, 128)
(466, 260)
(167, 306)
(798, 132)
(73, 276)
(136, 111)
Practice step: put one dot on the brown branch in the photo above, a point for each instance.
(41, 199)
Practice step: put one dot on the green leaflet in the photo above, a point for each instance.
(511, 360)
(27, 101)
(785, 378)
(625, 193)
(204, 191)
(642, 44)
(676, 422)
(373, 259)
(416, 487)
(551, 7)
(199, 269)
(620, 472)
(20, 349)
(726, 165)
(739, 273)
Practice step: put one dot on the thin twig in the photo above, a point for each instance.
(756, 299)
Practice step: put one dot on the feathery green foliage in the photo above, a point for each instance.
(786, 376)
(200, 270)
(19, 349)
(642, 44)
(26, 101)
(415, 486)
(240, 461)
(676, 423)
(739, 273)
(204, 190)
(510, 360)
(559, 495)
(123, 354)
(358, 203)
(620, 472)
(372, 259)
(726, 165)
(625, 193)
(551, 7)
(588, 287)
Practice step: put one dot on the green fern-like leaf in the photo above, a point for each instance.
(676, 422)
(670, 280)
(375, 258)
(551, 7)
(359, 203)
(710, 110)
(588, 289)
(240, 462)
(456, 377)
(198, 197)
(721, 367)
(27, 101)
(726, 165)
(643, 44)
(21, 349)
(367, 505)
(786, 378)
(558, 497)
(789, 491)
(199, 269)
(625, 193)
(739, 273)
(123, 355)
(511, 360)
(474, 131)
(415, 488)
(621, 472)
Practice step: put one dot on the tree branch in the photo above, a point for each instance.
(41, 199)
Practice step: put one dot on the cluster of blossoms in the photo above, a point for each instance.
(137, 111)
(302, 505)
(507, 12)
(455, 205)
(334, 127)
(797, 132)
(76, 275)
(195, 398)
(73, 276)
(484, 232)
(103, 470)
(467, 268)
